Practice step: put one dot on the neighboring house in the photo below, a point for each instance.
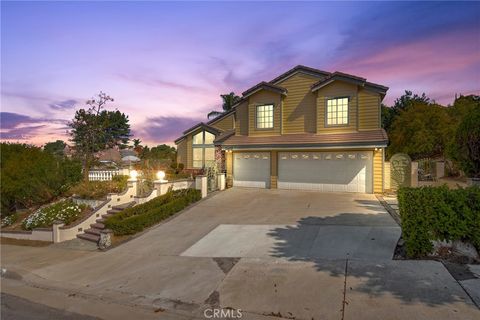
(306, 129)
(109, 155)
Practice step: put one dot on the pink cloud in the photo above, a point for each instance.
(448, 62)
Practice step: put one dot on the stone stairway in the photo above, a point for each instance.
(93, 234)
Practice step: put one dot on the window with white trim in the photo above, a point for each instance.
(265, 116)
(337, 111)
(203, 149)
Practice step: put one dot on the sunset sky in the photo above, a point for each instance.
(167, 63)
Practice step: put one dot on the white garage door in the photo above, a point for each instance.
(326, 171)
(251, 169)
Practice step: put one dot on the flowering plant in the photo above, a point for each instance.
(66, 211)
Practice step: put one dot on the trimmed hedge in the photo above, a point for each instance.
(438, 213)
(135, 219)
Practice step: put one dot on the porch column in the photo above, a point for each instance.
(229, 167)
(273, 169)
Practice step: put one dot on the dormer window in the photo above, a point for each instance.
(264, 116)
(337, 112)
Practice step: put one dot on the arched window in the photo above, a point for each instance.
(203, 149)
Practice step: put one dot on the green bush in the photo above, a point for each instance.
(66, 211)
(31, 176)
(99, 189)
(438, 213)
(135, 219)
(465, 147)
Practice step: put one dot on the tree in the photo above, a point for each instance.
(32, 176)
(160, 152)
(94, 129)
(401, 104)
(56, 148)
(137, 146)
(465, 147)
(388, 116)
(421, 130)
(228, 101)
(136, 142)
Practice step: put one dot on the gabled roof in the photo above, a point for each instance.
(224, 135)
(264, 86)
(221, 116)
(303, 69)
(200, 125)
(345, 77)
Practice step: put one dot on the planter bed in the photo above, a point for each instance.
(140, 217)
(47, 222)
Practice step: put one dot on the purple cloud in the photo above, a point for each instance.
(22, 133)
(15, 126)
(10, 120)
(164, 129)
(63, 105)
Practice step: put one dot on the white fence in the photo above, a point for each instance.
(105, 175)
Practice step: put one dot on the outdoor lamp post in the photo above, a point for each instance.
(133, 175)
(161, 176)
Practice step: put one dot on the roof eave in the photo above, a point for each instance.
(339, 145)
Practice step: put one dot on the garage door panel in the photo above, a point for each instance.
(251, 169)
(326, 171)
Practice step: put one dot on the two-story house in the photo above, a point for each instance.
(306, 129)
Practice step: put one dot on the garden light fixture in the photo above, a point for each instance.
(133, 174)
(161, 176)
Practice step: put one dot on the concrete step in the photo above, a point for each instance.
(89, 237)
(101, 220)
(108, 215)
(114, 211)
(100, 226)
(124, 206)
(93, 231)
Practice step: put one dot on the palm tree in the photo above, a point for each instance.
(229, 100)
(136, 145)
(136, 142)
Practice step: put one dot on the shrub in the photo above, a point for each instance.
(135, 219)
(66, 211)
(31, 176)
(465, 149)
(438, 213)
(99, 189)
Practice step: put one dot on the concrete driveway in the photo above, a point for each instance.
(299, 225)
(270, 253)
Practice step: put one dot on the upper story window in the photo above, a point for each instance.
(265, 116)
(337, 111)
(203, 149)
(203, 137)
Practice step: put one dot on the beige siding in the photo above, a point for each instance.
(368, 110)
(336, 90)
(182, 152)
(299, 107)
(260, 98)
(378, 171)
(241, 124)
(224, 124)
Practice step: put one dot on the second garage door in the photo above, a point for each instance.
(251, 169)
(326, 171)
